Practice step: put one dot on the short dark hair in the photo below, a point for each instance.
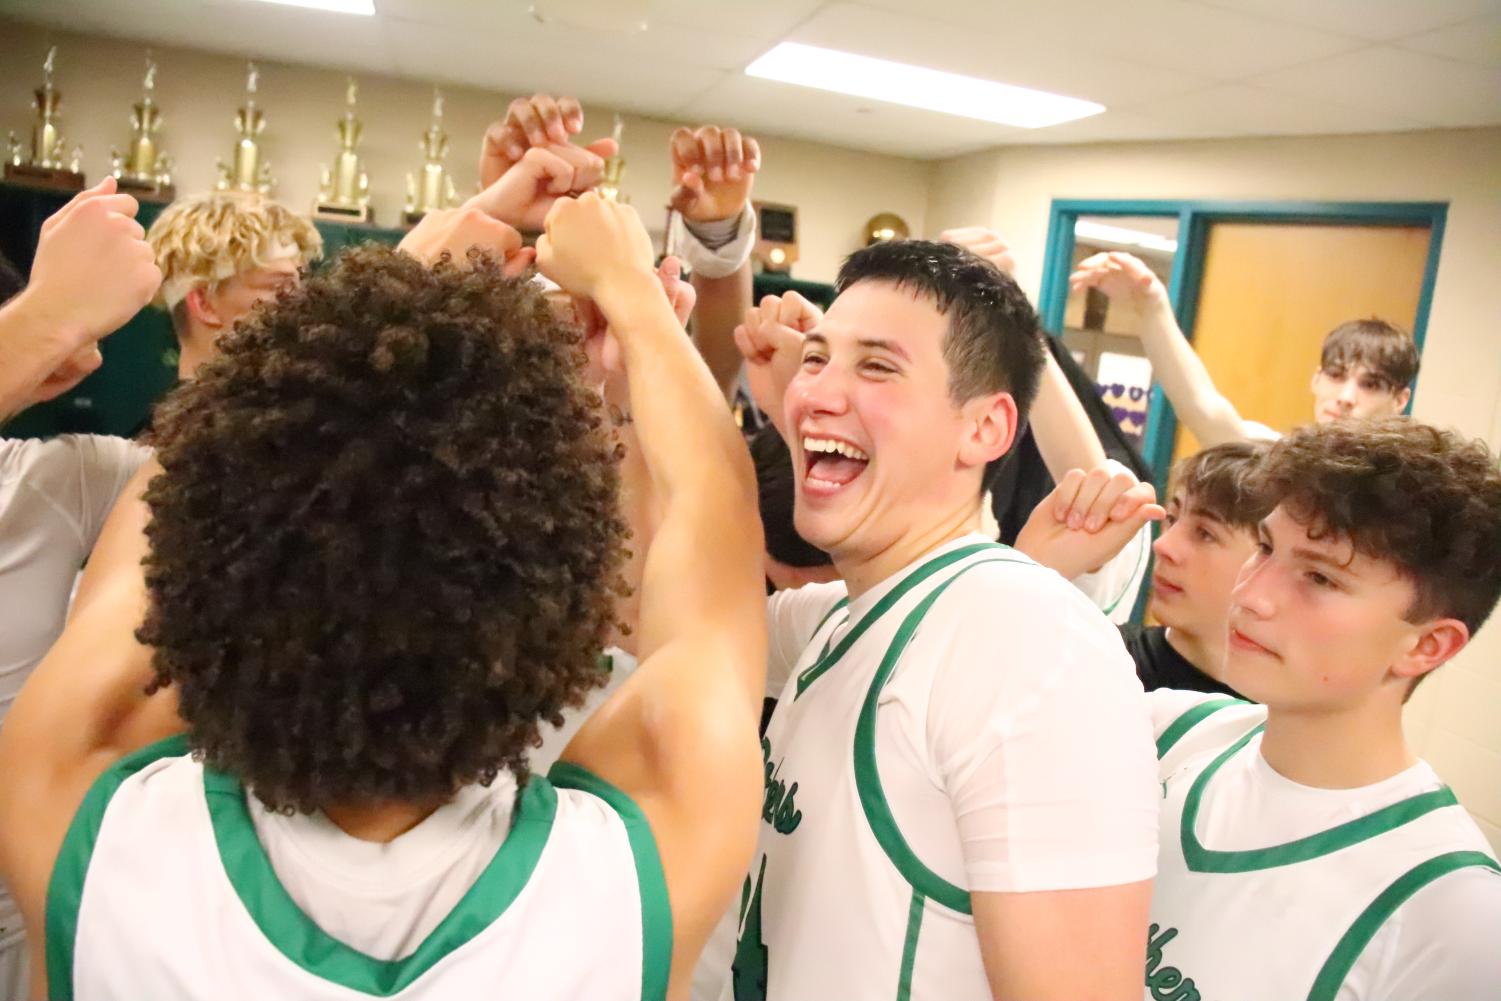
(776, 488)
(1387, 350)
(385, 543)
(1426, 500)
(1221, 483)
(994, 341)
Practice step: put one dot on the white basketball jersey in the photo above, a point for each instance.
(1285, 921)
(839, 905)
(163, 892)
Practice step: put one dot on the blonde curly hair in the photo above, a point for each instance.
(206, 239)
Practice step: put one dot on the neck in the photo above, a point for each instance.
(380, 822)
(865, 571)
(191, 354)
(1207, 655)
(1337, 749)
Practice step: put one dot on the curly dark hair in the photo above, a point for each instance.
(385, 544)
(1423, 499)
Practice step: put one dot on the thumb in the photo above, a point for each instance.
(604, 148)
(687, 192)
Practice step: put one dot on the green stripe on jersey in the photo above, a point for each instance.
(301, 941)
(651, 881)
(1178, 727)
(65, 888)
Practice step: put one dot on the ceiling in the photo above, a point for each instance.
(1164, 69)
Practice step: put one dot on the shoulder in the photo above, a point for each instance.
(1187, 721)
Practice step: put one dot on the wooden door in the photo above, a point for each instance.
(1270, 293)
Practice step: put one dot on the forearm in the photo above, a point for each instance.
(1184, 379)
(1065, 436)
(32, 345)
(686, 434)
(721, 306)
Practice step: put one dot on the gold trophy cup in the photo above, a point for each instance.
(344, 192)
(144, 170)
(249, 172)
(435, 189)
(47, 166)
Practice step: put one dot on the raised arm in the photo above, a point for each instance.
(93, 270)
(1201, 407)
(713, 170)
(679, 737)
(771, 342)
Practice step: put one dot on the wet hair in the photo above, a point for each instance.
(1425, 500)
(1221, 482)
(385, 543)
(776, 488)
(994, 341)
(1386, 350)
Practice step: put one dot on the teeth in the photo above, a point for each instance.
(830, 446)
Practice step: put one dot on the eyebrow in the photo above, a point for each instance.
(878, 343)
(1304, 553)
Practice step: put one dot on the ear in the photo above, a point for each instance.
(1436, 643)
(201, 309)
(989, 428)
(1403, 396)
(1314, 382)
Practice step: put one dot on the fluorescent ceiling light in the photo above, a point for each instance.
(366, 7)
(1127, 237)
(918, 87)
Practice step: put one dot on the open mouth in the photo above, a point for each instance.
(830, 465)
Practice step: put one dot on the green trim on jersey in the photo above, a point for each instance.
(651, 881)
(909, 947)
(1342, 960)
(1351, 832)
(65, 888)
(1141, 557)
(301, 941)
(1191, 718)
(868, 778)
(885, 605)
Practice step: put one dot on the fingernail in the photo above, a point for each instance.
(1093, 526)
(734, 173)
(715, 174)
(1075, 520)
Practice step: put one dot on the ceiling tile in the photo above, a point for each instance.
(1378, 20)
(1477, 41)
(1240, 110)
(1425, 88)
(514, 65)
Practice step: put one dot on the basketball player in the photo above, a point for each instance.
(1366, 369)
(959, 795)
(382, 550)
(1306, 852)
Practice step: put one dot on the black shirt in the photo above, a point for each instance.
(1158, 665)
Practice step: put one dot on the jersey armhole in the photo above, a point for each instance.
(1189, 719)
(65, 888)
(651, 881)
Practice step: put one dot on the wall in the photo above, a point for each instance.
(1454, 720)
(835, 190)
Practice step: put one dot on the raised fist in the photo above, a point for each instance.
(539, 120)
(712, 172)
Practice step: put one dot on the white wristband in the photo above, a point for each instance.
(720, 262)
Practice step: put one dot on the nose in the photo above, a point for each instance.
(1348, 393)
(1168, 544)
(822, 392)
(1253, 592)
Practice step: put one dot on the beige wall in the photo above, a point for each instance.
(1455, 718)
(835, 190)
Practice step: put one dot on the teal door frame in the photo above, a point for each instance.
(1194, 219)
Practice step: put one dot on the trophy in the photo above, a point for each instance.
(609, 185)
(436, 188)
(144, 169)
(344, 192)
(248, 172)
(46, 166)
